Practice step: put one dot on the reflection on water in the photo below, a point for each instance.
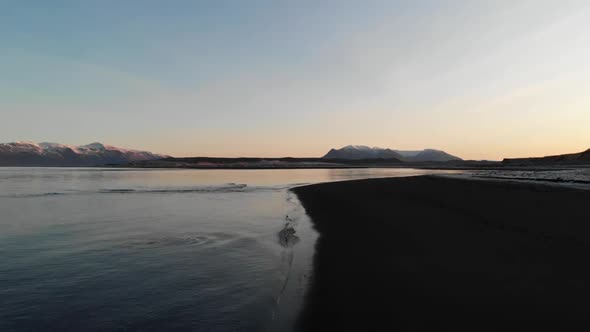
(109, 249)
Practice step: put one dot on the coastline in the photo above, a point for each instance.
(425, 253)
(302, 164)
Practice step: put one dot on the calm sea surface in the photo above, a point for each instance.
(154, 250)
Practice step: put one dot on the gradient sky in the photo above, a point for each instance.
(478, 79)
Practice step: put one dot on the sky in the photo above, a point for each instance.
(478, 79)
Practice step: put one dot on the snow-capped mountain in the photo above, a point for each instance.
(357, 152)
(54, 154)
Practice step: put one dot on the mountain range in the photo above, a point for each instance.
(54, 154)
(358, 152)
(98, 154)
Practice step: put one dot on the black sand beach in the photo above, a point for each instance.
(431, 253)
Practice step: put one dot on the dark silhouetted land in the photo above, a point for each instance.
(302, 163)
(581, 158)
(440, 254)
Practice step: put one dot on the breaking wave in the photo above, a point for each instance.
(575, 177)
(555, 180)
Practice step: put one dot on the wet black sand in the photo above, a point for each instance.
(435, 254)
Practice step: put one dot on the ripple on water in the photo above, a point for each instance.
(197, 239)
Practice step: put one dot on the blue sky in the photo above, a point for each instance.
(480, 79)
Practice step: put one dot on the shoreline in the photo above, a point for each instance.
(555, 168)
(426, 253)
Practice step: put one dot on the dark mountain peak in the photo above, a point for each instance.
(434, 155)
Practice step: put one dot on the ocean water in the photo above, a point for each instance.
(156, 250)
